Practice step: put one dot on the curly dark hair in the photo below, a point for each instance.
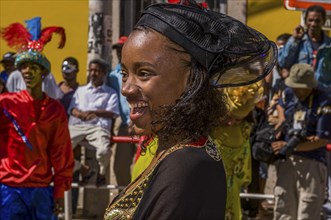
(200, 108)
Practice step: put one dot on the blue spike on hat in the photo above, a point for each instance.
(34, 27)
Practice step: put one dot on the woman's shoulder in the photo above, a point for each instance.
(190, 159)
(206, 151)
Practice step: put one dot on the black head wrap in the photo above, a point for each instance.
(233, 53)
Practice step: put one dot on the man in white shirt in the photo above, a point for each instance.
(15, 83)
(92, 110)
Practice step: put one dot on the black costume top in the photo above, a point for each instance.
(186, 182)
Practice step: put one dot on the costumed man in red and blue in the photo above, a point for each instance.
(35, 145)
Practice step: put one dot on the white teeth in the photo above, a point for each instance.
(139, 105)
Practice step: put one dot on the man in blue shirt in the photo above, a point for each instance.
(124, 151)
(311, 46)
(301, 177)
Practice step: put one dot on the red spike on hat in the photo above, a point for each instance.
(46, 35)
(16, 35)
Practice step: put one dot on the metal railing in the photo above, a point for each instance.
(67, 215)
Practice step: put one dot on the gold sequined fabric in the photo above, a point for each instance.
(125, 207)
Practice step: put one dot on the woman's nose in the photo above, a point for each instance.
(129, 88)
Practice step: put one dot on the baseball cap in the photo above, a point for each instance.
(70, 65)
(120, 42)
(301, 76)
(9, 56)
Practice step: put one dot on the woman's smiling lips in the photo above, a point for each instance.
(138, 109)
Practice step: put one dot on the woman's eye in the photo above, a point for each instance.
(124, 74)
(144, 74)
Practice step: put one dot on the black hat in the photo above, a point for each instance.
(232, 52)
(70, 65)
(9, 56)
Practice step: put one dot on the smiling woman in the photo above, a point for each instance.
(172, 63)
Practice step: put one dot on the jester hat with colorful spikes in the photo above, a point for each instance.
(29, 41)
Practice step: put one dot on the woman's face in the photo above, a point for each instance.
(155, 73)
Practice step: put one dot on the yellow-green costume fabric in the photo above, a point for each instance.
(144, 160)
(233, 143)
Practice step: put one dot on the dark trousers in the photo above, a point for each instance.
(123, 158)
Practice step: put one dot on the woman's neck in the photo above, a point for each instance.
(166, 143)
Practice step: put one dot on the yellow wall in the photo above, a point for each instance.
(271, 18)
(70, 14)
